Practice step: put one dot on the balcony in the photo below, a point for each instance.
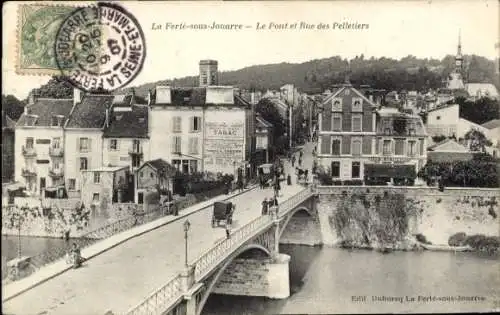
(28, 172)
(390, 159)
(56, 172)
(29, 151)
(56, 152)
(134, 150)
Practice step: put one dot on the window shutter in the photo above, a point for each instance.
(195, 149)
(78, 144)
(173, 144)
(173, 124)
(89, 144)
(117, 144)
(191, 123)
(109, 144)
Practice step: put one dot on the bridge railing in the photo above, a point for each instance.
(160, 299)
(294, 201)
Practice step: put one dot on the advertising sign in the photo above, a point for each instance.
(224, 144)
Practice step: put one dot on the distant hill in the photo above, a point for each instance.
(409, 73)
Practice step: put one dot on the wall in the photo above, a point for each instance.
(256, 277)
(302, 230)
(440, 215)
(72, 153)
(42, 150)
(104, 188)
(222, 150)
(8, 158)
(161, 131)
(121, 156)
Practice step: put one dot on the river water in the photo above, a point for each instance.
(325, 280)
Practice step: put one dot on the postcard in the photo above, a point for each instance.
(250, 157)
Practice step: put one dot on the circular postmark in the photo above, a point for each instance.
(100, 47)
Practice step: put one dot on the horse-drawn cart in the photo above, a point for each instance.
(223, 211)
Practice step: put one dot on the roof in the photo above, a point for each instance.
(106, 169)
(7, 122)
(442, 106)
(448, 145)
(161, 164)
(128, 124)
(46, 109)
(443, 156)
(355, 91)
(90, 112)
(390, 120)
(492, 124)
(122, 99)
(262, 122)
(196, 96)
(484, 88)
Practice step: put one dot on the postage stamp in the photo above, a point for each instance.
(101, 47)
(37, 27)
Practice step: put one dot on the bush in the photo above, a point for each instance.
(354, 182)
(479, 242)
(325, 179)
(337, 183)
(457, 239)
(422, 239)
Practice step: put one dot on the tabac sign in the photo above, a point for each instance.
(223, 130)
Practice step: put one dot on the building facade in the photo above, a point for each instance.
(39, 144)
(8, 138)
(104, 185)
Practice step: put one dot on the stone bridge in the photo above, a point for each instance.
(225, 269)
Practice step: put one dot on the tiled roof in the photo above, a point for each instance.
(474, 88)
(492, 124)
(91, 112)
(128, 124)
(161, 164)
(387, 121)
(194, 96)
(46, 109)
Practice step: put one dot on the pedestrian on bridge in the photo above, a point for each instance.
(265, 206)
(293, 160)
(300, 161)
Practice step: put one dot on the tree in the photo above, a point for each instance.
(12, 106)
(480, 111)
(57, 87)
(478, 140)
(269, 112)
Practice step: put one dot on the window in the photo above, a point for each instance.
(136, 161)
(177, 164)
(438, 118)
(56, 165)
(136, 145)
(30, 120)
(399, 147)
(56, 143)
(83, 163)
(29, 143)
(357, 104)
(412, 148)
(113, 144)
(355, 170)
(336, 146)
(336, 169)
(71, 184)
(337, 122)
(141, 174)
(84, 144)
(176, 144)
(411, 131)
(356, 122)
(377, 146)
(356, 146)
(387, 131)
(195, 124)
(95, 197)
(422, 146)
(152, 175)
(97, 177)
(387, 149)
(193, 145)
(337, 104)
(177, 124)
(204, 78)
(347, 92)
(185, 166)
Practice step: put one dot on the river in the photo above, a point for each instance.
(324, 280)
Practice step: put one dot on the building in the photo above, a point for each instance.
(208, 73)
(448, 150)
(263, 139)
(479, 90)
(8, 158)
(103, 186)
(152, 175)
(456, 77)
(206, 128)
(354, 136)
(126, 137)
(83, 141)
(39, 144)
(493, 131)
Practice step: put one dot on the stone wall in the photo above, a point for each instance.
(302, 230)
(439, 215)
(256, 277)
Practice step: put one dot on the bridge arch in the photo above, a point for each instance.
(301, 209)
(213, 281)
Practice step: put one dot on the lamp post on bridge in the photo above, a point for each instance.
(187, 225)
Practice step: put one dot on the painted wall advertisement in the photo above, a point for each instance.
(224, 144)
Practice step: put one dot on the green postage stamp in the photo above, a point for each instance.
(37, 27)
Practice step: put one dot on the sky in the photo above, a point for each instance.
(425, 29)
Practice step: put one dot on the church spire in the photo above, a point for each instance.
(459, 48)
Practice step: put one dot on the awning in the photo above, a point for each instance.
(390, 170)
(15, 186)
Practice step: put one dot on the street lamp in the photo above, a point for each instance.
(187, 225)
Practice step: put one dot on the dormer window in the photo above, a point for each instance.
(357, 104)
(186, 99)
(119, 117)
(30, 120)
(141, 120)
(57, 121)
(337, 104)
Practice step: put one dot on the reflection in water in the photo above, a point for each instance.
(324, 280)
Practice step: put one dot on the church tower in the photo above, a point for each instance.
(459, 59)
(455, 80)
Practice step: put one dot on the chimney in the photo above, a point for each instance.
(150, 96)
(107, 118)
(77, 96)
(252, 98)
(132, 99)
(208, 73)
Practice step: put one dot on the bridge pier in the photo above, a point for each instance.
(268, 277)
